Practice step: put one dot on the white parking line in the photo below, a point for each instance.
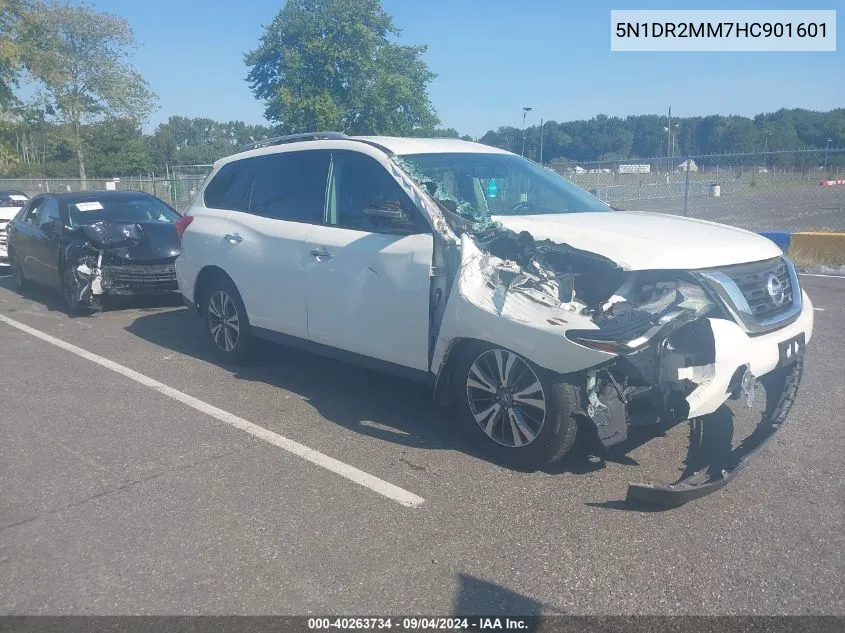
(384, 488)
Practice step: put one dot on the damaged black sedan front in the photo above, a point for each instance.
(95, 245)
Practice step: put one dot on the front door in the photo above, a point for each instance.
(46, 242)
(37, 249)
(368, 278)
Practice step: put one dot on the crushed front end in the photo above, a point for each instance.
(686, 342)
(110, 260)
(647, 348)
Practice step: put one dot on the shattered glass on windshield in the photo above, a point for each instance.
(477, 187)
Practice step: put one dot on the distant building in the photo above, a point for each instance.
(635, 169)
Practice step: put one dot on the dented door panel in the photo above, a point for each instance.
(368, 293)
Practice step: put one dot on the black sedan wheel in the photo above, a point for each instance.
(70, 292)
(18, 277)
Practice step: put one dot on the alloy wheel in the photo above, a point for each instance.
(223, 322)
(506, 398)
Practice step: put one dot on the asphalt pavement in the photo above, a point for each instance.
(120, 496)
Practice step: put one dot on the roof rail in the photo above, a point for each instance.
(295, 138)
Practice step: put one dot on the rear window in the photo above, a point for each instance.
(283, 186)
(230, 187)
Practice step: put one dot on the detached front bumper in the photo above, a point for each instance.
(705, 482)
(776, 359)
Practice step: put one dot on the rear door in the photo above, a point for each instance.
(23, 239)
(263, 246)
(368, 279)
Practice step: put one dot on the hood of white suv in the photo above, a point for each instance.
(638, 240)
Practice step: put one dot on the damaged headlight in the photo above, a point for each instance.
(626, 327)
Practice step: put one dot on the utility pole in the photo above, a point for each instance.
(669, 138)
(670, 143)
(541, 141)
(826, 149)
(525, 111)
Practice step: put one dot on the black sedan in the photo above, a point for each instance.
(95, 244)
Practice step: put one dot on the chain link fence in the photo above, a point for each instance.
(177, 188)
(800, 190)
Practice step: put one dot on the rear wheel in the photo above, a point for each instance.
(226, 322)
(518, 413)
(18, 277)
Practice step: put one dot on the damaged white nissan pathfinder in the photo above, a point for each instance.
(529, 304)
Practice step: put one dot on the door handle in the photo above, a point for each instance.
(321, 255)
(233, 238)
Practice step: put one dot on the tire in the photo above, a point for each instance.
(70, 293)
(18, 276)
(229, 336)
(532, 427)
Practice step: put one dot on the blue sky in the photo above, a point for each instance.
(492, 57)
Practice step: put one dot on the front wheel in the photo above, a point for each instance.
(226, 322)
(71, 292)
(518, 413)
(18, 277)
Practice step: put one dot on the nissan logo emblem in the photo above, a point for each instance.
(776, 290)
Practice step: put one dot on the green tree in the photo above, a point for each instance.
(13, 14)
(333, 65)
(79, 58)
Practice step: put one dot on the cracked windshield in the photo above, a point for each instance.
(479, 186)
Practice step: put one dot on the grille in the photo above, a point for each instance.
(141, 277)
(753, 281)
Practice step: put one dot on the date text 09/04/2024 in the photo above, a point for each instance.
(420, 623)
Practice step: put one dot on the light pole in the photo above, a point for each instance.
(525, 112)
(541, 141)
(826, 149)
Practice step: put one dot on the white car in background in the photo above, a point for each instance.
(10, 203)
(530, 305)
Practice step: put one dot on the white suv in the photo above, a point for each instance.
(529, 304)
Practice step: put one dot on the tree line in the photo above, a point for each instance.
(319, 65)
(604, 138)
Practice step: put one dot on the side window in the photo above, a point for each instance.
(30, 214)
(231, 186)
(359, 182)
(291, 186)
(48, 212)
